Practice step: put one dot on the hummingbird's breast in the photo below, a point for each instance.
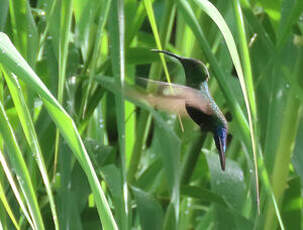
(205, 121)
(210, 116)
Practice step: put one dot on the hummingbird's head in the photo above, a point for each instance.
(220, 134)
(194, 69)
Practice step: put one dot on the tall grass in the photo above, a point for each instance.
(75, 154)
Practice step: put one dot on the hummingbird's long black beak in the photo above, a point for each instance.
(168, 53)
(222, 156)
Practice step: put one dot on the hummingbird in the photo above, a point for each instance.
(193, 100)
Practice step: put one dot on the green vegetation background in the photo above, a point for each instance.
(75, 155)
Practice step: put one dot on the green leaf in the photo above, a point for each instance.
(4, 13)
(297, 158)
(228, 184)
(24, 30)
(293, 204)
(112, 177)
(273, 9)
(168, 145)
(291, 11)
(150, 211)
(202, 194)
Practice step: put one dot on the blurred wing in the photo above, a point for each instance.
(172, 97)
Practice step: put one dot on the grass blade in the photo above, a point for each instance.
(215, 15)
(152, 21)
(7, 206)
(25, 30)
(96, 52)
(150, 211)
(31, 137)
(117, 34)
(15, 189)
(13, 61)
(21, 170)
(175, 185)
(65, 24)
